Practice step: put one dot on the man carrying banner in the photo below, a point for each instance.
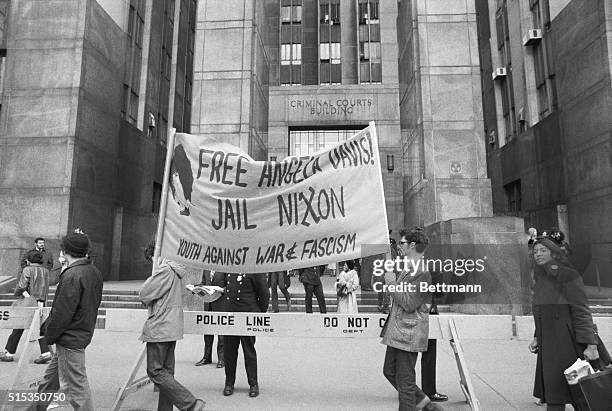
(406, 330)
(162, 294)
(243, 293)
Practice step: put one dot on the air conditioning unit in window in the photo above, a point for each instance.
(521, 115)
(492, 137)
(533, 37)
(499, 73)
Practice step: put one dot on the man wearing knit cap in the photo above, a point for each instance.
(71, 324)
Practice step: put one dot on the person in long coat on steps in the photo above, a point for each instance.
(348, 278)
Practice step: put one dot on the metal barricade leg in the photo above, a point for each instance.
(132, 383)
(464, 374)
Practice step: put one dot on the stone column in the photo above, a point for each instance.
(229, 62)
(442, 118)
(38, 124)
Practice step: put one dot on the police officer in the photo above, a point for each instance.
(243, 293)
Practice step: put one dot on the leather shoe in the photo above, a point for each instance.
(220, 364)
(43, 359)
(254, 391)
(199, 406)
(228, 390)
(437, 397)
(6, 358)
(203, 361)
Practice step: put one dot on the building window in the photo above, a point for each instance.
(2, 72)
(131, 82)
(368, 37)
(513, 197)
(184, 66)
(291, 14)
(304, 142)
(291, 42)
(368, 12)
(507, 90)
(544, 76)
(157, 191)
(165, 70)
(330, 69)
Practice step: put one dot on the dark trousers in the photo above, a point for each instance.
(208, 346)
(428, 368)
(317, 290)
(230, 354)
(399, 370)
(278, 279)
(13, 342)
(383, 297)
(365, 279)
(160, 369)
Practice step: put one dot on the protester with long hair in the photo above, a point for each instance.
(564, 329)
(406, 331)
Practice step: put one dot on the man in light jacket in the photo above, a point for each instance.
(406, 330)
(162, 294)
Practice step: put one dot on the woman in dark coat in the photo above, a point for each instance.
(563, 323)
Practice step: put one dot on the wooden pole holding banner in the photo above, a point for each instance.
(171, 136)
(131, 384)
(164, 199)
(374, 136)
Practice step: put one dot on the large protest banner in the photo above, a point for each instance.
(230, 213)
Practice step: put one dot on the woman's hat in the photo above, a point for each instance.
(550, 244)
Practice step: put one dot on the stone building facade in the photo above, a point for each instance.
(546, 80)
(91, 88)
(83, 122)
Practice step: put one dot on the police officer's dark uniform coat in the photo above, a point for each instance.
(246, 293)
(243, 293)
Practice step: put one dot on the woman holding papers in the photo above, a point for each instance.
(564, 329)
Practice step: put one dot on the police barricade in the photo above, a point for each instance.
(28, 319)
(450, 327)
(525, 327)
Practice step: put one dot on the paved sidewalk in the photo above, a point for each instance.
(310, 374)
